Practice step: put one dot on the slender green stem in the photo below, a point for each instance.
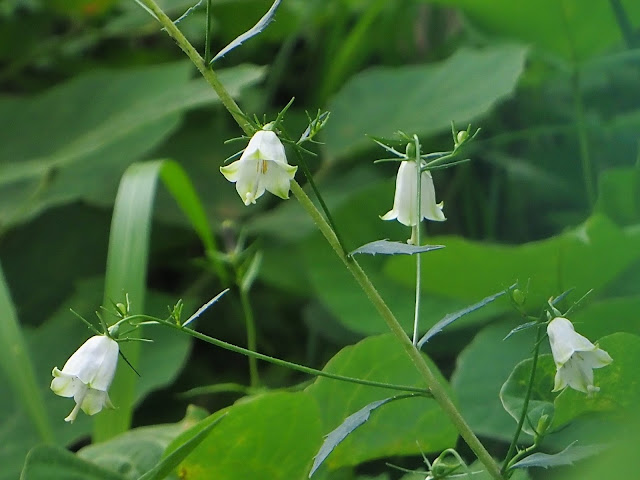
(307, 173)
(437, 390)
(418, 242)
(525, 406)
(207, 35)
(251, 336)
(290, 365)
(210, 76)
(583, 139)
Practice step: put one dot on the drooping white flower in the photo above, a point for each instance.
(262, 166)
(575, 357)
(405, 201)
(87, 375)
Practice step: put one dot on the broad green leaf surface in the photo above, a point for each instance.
(513, 392)
(137, 451)
(394, 429)
(619, 195)
(272, 436)
(589, 256)
(47, 462)
(54, 149)
(159, 365)
(569, 28)
(608, 316)
(618, 382)
(18, 367)
(421, 99)
(482, 368)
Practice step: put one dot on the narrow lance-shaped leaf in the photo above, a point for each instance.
(255, 30)
(349, 424)
(386, 247)
(567, 456)
(452, 317)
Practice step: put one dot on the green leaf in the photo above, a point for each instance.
(127, 264)
(568, 456)
(395, 430)
(353, 421)
(138, 453)
(619, 195)
(587, 257)
(421, 99)
(252, 32)
(171, 461)
(569, 28)
(266, 436)
(452, 317)
(619, 388)
(513, 392)
(18, 366)
(54, 150)
(481, 370)
(385, 247)
(47, 462)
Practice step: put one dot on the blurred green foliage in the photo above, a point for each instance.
(551, 199)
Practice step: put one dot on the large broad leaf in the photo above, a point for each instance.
(137, 451)
(267, 436)
(75, 140)
(51, 345)
(482, 368)
(514, 390)
(421, 99)
(400, 428)
(619, 195)
(570, 28)
(589, 256)
(619, 388)
(48, 462)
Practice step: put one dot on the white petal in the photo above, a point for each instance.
(65, 385)
(266, 145)
(429, 209)
(94, 401)
(230, 171)
(94, 361)
(276, 177)
(565, 340)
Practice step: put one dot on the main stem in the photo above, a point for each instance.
(251, 336)
(437, 390)
(418, 241)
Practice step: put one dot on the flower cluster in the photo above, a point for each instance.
(575, 357)
(87, 376)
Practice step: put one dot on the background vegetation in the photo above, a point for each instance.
(552, 198)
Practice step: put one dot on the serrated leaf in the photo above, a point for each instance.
(567, 456)
(386, 247)
(252, 32)
(349, 424)
(452, 317)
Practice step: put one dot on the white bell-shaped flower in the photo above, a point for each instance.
(575, 357)
(262, 166)
(405, 201)
(87, 376)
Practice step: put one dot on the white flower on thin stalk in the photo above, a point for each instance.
(575, 357)
(87, 376)
(405, 201)
(262, 166)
